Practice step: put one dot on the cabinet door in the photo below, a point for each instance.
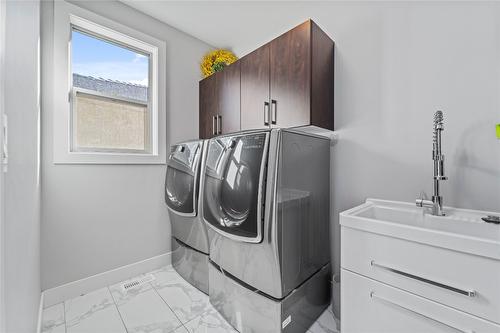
(228, 95)
(208, 107)
(255, 89)
(291, 77)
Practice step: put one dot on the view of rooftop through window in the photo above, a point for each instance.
(101, 59)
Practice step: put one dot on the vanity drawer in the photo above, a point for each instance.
(463, 281)
(371, 306)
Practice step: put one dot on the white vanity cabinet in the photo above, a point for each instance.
(372, 306)
(405, 272)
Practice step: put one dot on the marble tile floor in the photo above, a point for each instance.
(167, 304)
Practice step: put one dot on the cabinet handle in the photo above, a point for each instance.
(219, 124)
(214, 120)
(470, 293)
(374, 296)
(274, 112)
(266, 113)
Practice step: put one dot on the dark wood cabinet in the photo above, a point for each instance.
(255, 100)
(287, 82)
(220, 102)
(291, 77)
(322, 82)
(208, 107)
(228, 96)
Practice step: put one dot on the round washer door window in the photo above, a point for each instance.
(180, 181)
(232, 183)
(179, 189)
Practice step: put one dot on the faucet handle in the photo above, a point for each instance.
(424, 203)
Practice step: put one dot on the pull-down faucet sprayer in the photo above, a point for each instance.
(436, 204)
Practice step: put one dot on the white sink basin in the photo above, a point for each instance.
(460, 230)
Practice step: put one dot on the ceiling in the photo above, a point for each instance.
(237, 25)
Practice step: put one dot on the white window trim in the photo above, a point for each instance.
(65, 17)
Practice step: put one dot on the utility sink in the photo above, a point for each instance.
(460, 229)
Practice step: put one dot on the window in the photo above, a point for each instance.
(113, 76)
(110, 107)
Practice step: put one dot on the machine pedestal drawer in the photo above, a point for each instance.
(371, 306)
(250, 311)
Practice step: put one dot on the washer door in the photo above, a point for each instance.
(181, 178)
(234, 176)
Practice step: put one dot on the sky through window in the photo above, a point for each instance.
(91, 56)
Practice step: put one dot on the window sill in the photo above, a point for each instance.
(110, 158)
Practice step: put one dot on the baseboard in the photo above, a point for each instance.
(70, 290)
(40, 314)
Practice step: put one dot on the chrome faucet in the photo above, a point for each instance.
(436, 204)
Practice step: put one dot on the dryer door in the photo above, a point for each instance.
(181, 178)
(233, 187)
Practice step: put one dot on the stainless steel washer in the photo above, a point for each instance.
(266, 200)
(190, 246)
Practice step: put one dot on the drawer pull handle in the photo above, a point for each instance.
(383, 299)
(470, 293)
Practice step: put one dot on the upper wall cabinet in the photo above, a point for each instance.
(208, 107)
(255, 98)
(220, 102)
(287, 82)
(228, 90)
(291, 77)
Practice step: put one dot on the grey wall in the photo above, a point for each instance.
(22, 222)
(395, 65)
(99, 217)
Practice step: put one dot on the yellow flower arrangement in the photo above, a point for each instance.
(215, 61)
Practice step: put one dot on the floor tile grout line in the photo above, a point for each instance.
(117, 309)
(198, 316)
(184, 281)
(190, 320)
(64, 316)
(187, 330)
(54, 325)
(164, 301)
(183, 324)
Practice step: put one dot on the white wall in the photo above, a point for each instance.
(22, 190)
(99, 217)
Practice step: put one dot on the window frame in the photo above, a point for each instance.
(69, 18)
(98, 32)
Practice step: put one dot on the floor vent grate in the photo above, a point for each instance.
(138, 282)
